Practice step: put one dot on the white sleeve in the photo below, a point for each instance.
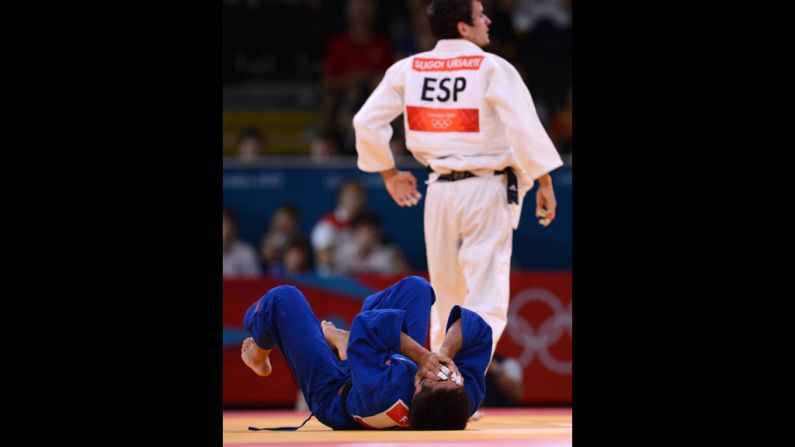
(508, 95)
(371, 122)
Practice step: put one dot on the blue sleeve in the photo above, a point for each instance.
(475, 354)
(379, 376)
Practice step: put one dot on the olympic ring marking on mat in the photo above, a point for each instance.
(548, 333)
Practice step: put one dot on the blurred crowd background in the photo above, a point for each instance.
(295, 72)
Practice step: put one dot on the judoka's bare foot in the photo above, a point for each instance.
(256, 358)
(338, 338)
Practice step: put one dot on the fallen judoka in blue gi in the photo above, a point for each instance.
(380, 376)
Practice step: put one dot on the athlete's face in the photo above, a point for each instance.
(478, 33)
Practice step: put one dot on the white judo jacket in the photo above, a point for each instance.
(464, 109)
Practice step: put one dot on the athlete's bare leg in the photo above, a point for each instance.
(336, 338)
(256, 358)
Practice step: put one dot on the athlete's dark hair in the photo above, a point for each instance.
(444, 15)
(439, 409)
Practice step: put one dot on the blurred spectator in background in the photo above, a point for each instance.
(297, 259)
(354, 63)
(323, 147)
(545, 49)
(283, 226)
(503, 382)
(261, 39)
(421, 37)
(251, 145)
(528, 13)
(502, 36)
(240, 259)
(335, 228)
(243, 38)
(561, 129)
(366, 251)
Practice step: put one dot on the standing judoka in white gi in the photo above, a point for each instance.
(468, 116)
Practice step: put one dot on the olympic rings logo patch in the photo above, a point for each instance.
(441, 123)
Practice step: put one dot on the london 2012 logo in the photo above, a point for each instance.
(537, 342)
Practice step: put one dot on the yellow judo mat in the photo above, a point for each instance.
(532, 427)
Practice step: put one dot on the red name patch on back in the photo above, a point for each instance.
(443, 120)
(455, 64)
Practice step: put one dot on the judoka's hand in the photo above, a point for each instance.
(402, 187)
(545, 201)
(435, 366)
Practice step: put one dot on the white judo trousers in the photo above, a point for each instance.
(468, 239)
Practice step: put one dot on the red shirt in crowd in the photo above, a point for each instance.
(344, 56)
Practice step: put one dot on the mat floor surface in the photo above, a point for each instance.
(532, 427)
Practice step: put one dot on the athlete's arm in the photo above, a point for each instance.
(452, 340)
(429, 363)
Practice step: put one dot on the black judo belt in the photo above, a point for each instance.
(513, 189)
(344, 393)
(283, 428)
